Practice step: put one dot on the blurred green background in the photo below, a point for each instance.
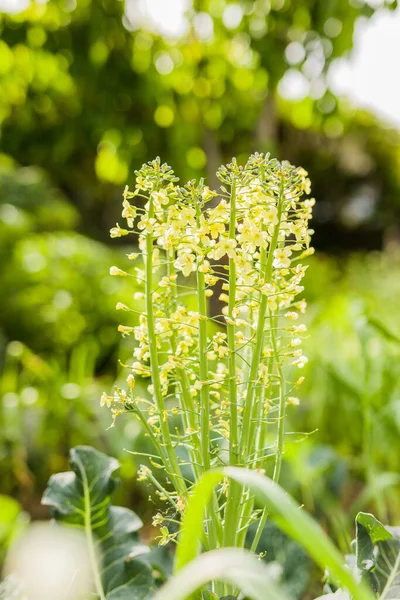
(90, 89)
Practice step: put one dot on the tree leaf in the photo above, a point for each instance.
(81, 497)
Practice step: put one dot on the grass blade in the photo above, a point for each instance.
(290, 517)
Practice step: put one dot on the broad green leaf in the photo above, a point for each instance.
(378, 555)
(283, 509)
(368, 531)
(81, 497)
(230, 565)
(376, 562)
(376, 531)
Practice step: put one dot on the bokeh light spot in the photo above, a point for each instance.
(196, 157)
(164, 115)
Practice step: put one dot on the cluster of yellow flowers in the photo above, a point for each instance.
(220, 368)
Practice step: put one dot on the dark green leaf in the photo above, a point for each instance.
(378, 555)
(376, 531)
(81, 497)
(368, 531)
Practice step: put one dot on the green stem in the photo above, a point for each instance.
(161, 489)
(234, 493)
(187, 403)
(282, 397)
(248, 406)
(159, 448)
(203, 363)
(213, 515)
(280, 434)
(266, 269)
(176, 475)
(233, 428)
(281, 414)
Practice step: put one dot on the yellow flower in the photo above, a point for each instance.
(224, 246)
(207, 194)
(300, 361)
(116, 232)
(215, 228)
(160, 197)
(270, 216)
(131, 381)
(129, 212)
(116, 271)
(146, 224)
(281, 258)
(186, 263)
(292, 401)
(187, 216)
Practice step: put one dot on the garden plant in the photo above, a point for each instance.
(217, 366)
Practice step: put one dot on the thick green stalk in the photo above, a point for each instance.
(187, 403)
(175, 473)
(255, 362)
(203, 363)
(281, 414)
(266, 269)
(234, 493)
(233, 427)
(213, 515)
(248, 410)
(280, 433)
(203, 372)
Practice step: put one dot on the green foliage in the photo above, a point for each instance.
(378, 559)
(376, 562)
(87, 97)
(81, 497)
(26, 196)
(277, 548)
(291, 518)
(88, 94)
(56, 275)
(354, 376)
(282, 508)
(59, 278)
(230, 565)
(12, 523)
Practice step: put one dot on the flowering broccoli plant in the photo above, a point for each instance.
(221, 379)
